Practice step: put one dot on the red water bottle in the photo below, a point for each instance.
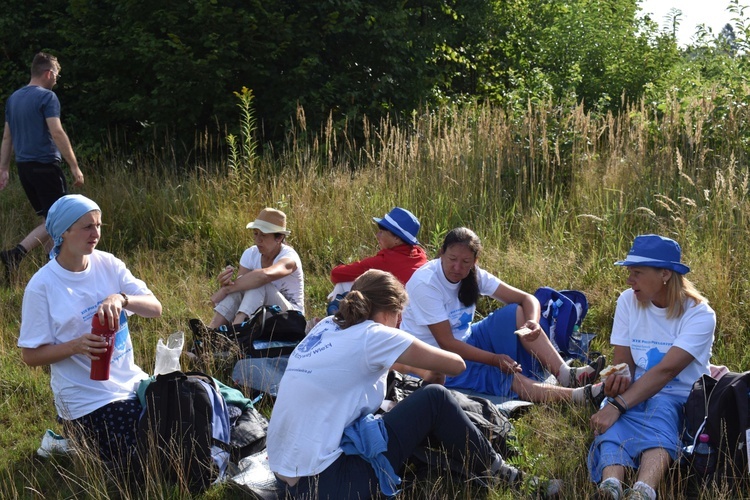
(100, 367)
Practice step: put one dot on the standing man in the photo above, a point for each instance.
(34, 131)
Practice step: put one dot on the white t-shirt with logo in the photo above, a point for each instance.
(334, 377)
(649, 334)
(292, 286)
(432, 299)
(57, 307)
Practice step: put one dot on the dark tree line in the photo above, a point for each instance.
(150, 68)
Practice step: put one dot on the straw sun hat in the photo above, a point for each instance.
(270, 220)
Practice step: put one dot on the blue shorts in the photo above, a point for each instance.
(655, 423)
(495, 333)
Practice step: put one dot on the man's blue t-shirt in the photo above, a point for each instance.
(26, 113)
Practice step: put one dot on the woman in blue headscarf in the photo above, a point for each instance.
(58, 307)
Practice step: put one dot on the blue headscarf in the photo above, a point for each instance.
(62, 214)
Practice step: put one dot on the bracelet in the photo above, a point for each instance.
(124, 300)
(613, 402)
(622, 400)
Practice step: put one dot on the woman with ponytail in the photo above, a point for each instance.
(442, 300)
(323, 440)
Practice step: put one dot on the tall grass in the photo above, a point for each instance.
(556, 194)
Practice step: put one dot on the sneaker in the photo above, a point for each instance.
(606, 491)
(544, 488)
(53, 444)
(580, 376)
(510, 475)
(596, 401)
(633, 494)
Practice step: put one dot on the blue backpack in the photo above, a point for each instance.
(562, 314)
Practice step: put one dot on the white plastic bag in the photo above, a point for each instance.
(168, 355)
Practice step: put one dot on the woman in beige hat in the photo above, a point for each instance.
(270, 273)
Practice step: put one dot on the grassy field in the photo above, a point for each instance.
(556, 196)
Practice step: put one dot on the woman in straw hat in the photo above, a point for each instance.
(663, 330)
(399, 254)
(59, 303)
(270, 273)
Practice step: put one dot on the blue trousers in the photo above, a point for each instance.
(495, 333)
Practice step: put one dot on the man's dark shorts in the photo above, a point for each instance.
(44, 184)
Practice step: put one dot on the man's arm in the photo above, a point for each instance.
(66, 149)
(6, 150)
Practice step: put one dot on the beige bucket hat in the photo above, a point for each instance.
(270, 220)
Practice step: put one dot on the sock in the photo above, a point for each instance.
(643, 487)
(613, 485)
(564, 375)
(21, 250)
(579, 396)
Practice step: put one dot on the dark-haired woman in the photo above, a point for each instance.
(323, 440)
(442, 300)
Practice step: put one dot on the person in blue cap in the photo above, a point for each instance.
(400, 253)
(663, 331)
(59, 304)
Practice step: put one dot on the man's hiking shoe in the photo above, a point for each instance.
(582, 375)
(53, 444)
(11, 260)
(596, 401)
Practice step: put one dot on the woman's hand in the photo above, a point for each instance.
(603, 419)
(225, 277)
(615, 385)
(507, 364)
(111, 307)
(90, 345)
(535, 328)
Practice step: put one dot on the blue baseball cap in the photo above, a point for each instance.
(652, 250)
(402, 223)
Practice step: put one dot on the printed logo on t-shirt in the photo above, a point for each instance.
(310, 342)
(460, 319)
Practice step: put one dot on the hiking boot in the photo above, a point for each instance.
(580, 376)
(596, 401)
(53, 444)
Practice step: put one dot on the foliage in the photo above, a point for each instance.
(153, 73)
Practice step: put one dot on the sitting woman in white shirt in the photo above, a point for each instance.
(323, 440)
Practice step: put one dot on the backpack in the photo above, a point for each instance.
(719, 408)
(562, 314)
(269, 332)
(485, 415)
(183, 430)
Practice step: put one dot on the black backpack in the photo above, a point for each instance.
(176, 433)
(719, 408)
(269, 332)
